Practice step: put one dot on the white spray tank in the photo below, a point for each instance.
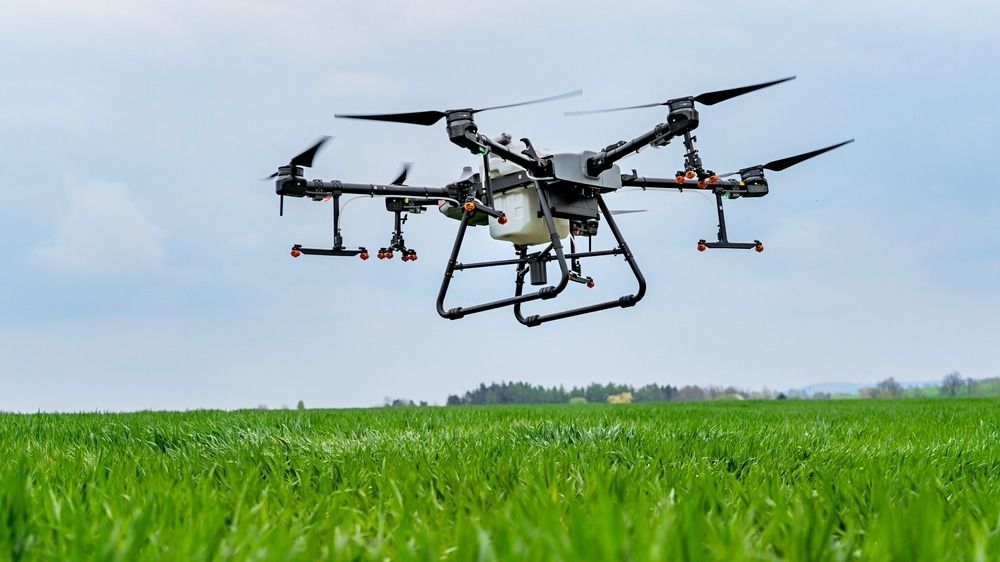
(520, 205)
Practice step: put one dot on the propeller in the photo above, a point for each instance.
(305, 159)
(627, 211)
(708, 98)
(427, 118)
(784, 163)
(401, 178)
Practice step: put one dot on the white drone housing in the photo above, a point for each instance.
(525, 226)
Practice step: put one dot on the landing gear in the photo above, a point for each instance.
(723, 241)
(338, 248)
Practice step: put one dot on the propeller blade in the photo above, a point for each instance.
(539, 100)
(305, 159)
(608, 110)
(708, 98)
(627, 211)
(778, 165)
(425, 118)
(401, 178)
(784, 163)
(712, 98)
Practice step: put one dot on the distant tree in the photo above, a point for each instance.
(597, 392)
(730, 391)
(869, 392)
(423, 402)
(654, 393)
(691, 394)
(889, 388)
(261, 406)
(951, 384)
(781, 396)
(970, 386)
(301, 405)
(524, 393)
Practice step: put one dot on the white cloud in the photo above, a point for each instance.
(99, 229)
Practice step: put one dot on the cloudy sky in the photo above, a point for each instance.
(143, 264)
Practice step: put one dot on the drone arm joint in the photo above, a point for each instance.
(606, 158)
(536, 167)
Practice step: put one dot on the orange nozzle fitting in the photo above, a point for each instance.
(502, 219)
(295, 252)
(469, 207)
(679, 180)
(690, 174)
(363, 255)
(759, 247)
(713, 179)
(702, 247)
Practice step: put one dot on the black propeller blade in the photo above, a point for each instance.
(427, 118)
(779, 165)
(708, 98)
(401, 178)
(712, 98)
(785, 163)
(305, 159)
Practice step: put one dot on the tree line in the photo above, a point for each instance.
(953, 384)
(525, 393)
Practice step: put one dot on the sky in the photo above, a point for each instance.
(143, 264)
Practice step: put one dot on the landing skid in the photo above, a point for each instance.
(535, 262)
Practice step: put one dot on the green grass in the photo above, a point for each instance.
(904, 480)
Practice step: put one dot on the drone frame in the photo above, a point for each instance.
(536, 263)
(569, 186)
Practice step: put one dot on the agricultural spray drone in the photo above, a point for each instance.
(530, 198)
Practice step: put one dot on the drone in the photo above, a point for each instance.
(535, 200)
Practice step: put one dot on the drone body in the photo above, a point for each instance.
(530, 198)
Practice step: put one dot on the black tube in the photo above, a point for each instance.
(625, 301)
(606, 158)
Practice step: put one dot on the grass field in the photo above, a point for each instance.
(902, 480)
